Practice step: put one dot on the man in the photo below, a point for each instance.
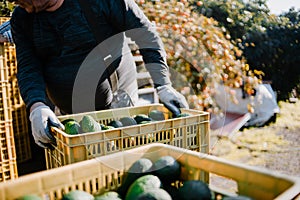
(59, 57)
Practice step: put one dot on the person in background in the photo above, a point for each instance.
(53, 39)
(5, 33)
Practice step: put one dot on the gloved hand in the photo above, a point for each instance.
(172, 99)
(42, 117)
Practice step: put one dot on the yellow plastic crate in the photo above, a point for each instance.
(105, 173)
(17, 109)
(190, 132)
(8, 164)
(21, 134)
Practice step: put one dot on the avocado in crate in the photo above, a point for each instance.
(139, 168)
(108, 173)
(115, 123)
(142, 118)
(86, 125)
(89, 124)
(133, 127)
(78, 195)
(72, 127)
(110, 195)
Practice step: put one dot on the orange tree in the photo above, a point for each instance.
(200, 50)
(5, 8)
(269, 43)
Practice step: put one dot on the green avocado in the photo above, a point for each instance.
(139, 168)
(155, 194)
(110, 195)
(78, 195)
(141, 185)
(145, 122)
(194, 190)
(67, 120)
(89, 124)
(128, 121)
(106, 127)
(29, 197)
(115, 123)
(142, 118)
(156, 115)
(167, 169)
(72, 127)
(183, 115)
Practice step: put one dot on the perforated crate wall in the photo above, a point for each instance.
(20, 125)
(107, 173)
(21, 134)
(18, 109)
(191, 132)
(8, 164)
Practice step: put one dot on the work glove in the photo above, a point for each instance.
(42, 118)
(171, 99)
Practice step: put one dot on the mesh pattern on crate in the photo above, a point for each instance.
(21, 134)
(8, 67)
(107, 173)
(5, 103)
(8, 165)
(190, 133)
(8, 170)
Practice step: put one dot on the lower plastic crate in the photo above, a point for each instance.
(105, 173)
(190, 132)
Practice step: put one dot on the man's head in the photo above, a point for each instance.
(32, 6)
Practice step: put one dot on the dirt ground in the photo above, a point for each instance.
(275, 147)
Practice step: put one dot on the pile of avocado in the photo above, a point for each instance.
(147, 180)
(155, 180)
(89, 124)
(85, 125)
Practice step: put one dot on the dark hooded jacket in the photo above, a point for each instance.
(52, 47)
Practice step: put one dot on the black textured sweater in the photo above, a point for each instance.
(52, 47)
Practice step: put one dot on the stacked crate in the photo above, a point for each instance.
(18, 109)
(8, 163)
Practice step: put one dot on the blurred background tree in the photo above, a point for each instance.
(6, 8)
(201, 50)
(276, 52)
(234, 42)
(269, 43)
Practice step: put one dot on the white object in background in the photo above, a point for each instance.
(264, 103)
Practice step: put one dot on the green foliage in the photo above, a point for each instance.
(237, 16)
(276, 51)
(269, 43)
(6, 8)
(200, 50)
